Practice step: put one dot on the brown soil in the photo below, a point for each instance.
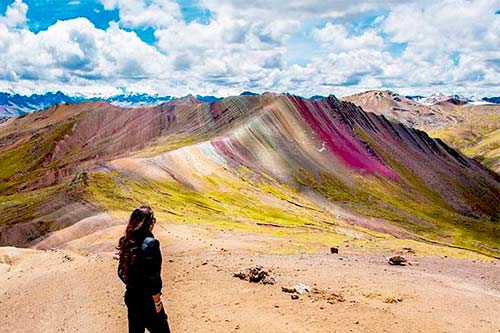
(75, 290)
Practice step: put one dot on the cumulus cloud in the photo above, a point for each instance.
(75, 52)
(447, 46)
(336, 36)
(470, 29)
(15, 15)
(138, 13)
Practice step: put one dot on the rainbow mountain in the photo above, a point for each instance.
(473, 128)
(320, 169)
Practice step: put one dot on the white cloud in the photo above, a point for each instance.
(335, 36)
(140, 14)
(291, 9)
(15, 15)
(434, 32)
(76, 53)
(244, 46)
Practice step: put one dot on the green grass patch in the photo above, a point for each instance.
(22, 165)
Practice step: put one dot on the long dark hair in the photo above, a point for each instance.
(138, 228)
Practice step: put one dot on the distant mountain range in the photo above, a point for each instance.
(14, 105)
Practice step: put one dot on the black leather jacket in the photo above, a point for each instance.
(145, 274)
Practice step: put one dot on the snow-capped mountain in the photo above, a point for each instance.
(440, 98)
(15, 105)
(455, 99)
(134, 100)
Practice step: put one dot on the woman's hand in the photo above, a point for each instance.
(158, 307)
(158, 303)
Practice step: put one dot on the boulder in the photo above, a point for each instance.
(397, 260)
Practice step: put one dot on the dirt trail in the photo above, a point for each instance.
(78, 291)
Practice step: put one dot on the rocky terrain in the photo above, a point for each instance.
(77, 289)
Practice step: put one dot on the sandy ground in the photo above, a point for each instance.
(76, 290)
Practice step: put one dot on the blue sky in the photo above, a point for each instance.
(223, 47)
(42, 14)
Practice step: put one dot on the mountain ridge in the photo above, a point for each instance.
(246, 162)
(15, 104)
(473, 128)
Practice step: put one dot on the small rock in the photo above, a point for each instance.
(298, 289)
(256, 274)
(397, 260)
(393, 300)
(66, 258)
(287, 290)
(269, 280)
(334, 250)
(294, 296)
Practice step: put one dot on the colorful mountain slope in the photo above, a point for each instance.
(477, 135)
(468, 127)
(317, 168)
(402, 109)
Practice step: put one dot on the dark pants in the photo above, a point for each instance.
(142, 314)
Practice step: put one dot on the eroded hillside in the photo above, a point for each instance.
(319, 169)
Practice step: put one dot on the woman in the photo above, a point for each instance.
(139, 268)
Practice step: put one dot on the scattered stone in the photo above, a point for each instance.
(295, 296)
(397, 260)
(297, 289)
(269, 280)
(393, 300)
(256, 274)
(334, 250)
(67, 257)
